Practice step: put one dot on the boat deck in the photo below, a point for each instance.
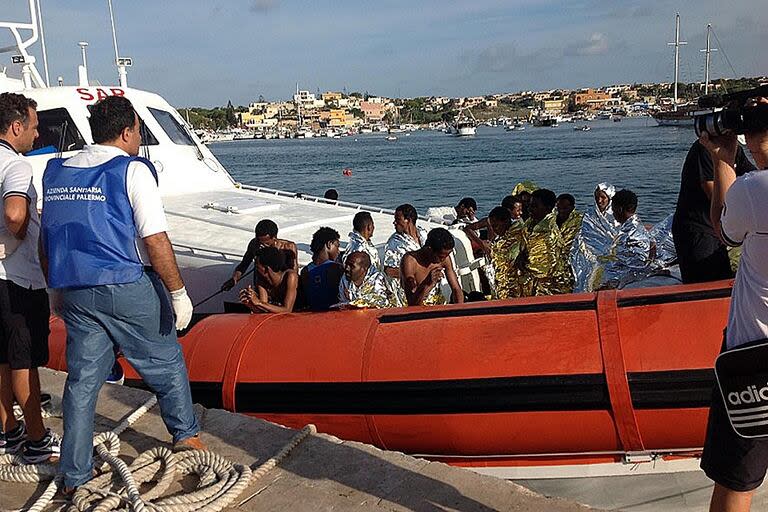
(322, 473)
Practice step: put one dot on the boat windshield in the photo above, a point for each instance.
(58, 133)
(175, 130)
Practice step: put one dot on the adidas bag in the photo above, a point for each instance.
(742, 376)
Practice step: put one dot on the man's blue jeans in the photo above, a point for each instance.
(137, 318)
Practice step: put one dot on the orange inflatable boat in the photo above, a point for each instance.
(570, 379)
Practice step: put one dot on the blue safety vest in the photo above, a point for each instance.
(87, 225)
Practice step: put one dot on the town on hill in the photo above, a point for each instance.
(340, 113)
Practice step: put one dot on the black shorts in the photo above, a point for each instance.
(735, 462)
(24, 317)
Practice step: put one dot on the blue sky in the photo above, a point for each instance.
(205, 52)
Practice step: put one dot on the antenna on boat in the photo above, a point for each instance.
(677, 45)
(82, 69)
(42, 44)
(29, 74)
(708, 50)
(122, 63)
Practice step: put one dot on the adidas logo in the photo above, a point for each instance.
(751, 395)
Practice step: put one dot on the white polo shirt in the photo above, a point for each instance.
(744, 221)
(143, 194)
(23, 266)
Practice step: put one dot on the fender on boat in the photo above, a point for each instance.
(545, 380)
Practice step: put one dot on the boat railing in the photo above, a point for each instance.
(323, 200)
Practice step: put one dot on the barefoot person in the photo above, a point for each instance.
(421, 271)
(277, 283)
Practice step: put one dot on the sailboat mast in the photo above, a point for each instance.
(708, 52)
(677, 44)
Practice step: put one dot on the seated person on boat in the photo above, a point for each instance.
(407, 237)
(515, 206)
(465, 211)
(504, 251)
(544, 271)
(277, 283)
(629, 259)
(598, 230)
(569, 221)
(364, 286)
(422, 271)
(320, 279)
(360, 239)
(266, 236)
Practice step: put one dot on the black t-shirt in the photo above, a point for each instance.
(692, 212)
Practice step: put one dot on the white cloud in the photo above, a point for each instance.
(597, 44)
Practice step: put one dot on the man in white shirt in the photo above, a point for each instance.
(108, 254)
(23, 300)
(740, 215)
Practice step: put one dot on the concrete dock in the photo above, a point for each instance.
(322, 473)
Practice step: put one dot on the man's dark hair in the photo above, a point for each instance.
(440, 239)
(321, 237)
(626, 200)
(109, 117)
(523, 193)
(361, 220)
(468, 202)
(546, 196)
(501, 213)
(509, 201)
(331, 194)
(14, 107)
(408, 211)
(567, 197)
(272, 257)
(266, 227)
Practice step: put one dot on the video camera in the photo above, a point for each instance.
(735, 116)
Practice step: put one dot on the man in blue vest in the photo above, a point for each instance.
(108, 255)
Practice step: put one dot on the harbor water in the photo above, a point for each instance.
(428, 168)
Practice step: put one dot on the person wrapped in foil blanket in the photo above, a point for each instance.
(598, 231)
(636, 254)
(401, 243)
(358, 243)
(545, 272)
(505, 277)
(364, 286)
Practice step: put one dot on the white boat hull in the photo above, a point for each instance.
(466, 131)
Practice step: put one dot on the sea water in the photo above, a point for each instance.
(428, 168)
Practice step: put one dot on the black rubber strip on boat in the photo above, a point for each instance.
(650, 390)
(507, 309)
(720, 293)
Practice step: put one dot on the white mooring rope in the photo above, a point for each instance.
(220, 482)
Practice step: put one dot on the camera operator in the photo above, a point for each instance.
(700, 253)
(740, 216)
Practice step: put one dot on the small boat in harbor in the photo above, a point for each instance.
(464, 124)
(584, 128)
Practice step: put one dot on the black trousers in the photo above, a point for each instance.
(702, 257)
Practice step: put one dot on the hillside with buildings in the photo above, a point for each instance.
(334, 112)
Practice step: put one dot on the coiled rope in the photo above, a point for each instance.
(220, 481)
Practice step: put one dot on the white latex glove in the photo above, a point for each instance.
(182, 307)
